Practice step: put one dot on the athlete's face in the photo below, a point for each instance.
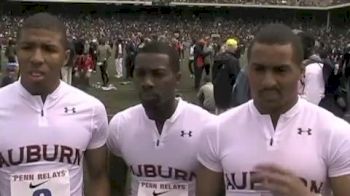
(41, 54)
(273, 77)
(155, 80)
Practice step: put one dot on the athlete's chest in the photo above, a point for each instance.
(296, 145)
(58, 125)
(177, 141)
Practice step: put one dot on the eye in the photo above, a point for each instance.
(282, 69)
(49, 48)
(25, 47)
(139, 73)
(259, 68)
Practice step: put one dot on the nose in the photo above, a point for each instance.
(37, 57)
(268, 80)
(147, 82)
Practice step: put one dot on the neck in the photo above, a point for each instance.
(276, 113)
(42, 91)
(163, 112)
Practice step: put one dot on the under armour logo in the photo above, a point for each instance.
(70, 110)
(183, 133)
(301, 131)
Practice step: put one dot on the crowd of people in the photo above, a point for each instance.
(122, 26)
(320, 3)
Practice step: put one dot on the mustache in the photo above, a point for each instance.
(269, 90)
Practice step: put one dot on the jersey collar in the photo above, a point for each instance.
(176, 114)
(289, 114)
(36, 99)
(178, 110)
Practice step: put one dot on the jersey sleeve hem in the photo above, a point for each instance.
(96, 145)
(209, 166)
(338, 174)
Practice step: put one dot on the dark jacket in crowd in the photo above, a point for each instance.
(131, 50)
(224, 73)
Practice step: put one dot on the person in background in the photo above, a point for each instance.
(205, 95)
(209, 58)
(10, 52)
(131, 51)
(103, 53)
(67, 69)
(224, 74)
(191, 58)
(11, 73)
(119, 52)
(199, 56)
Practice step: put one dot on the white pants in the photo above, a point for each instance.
(119, 66)
(67, 74)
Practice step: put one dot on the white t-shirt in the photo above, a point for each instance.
(308, 140)
(191, 56)
(314, 84)
(207, 91)
(42, 145)
(166, 158)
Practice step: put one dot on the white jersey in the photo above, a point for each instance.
(42, 145)
(314, 88)
(159, 163)
(308, 140)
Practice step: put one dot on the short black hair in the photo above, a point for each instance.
(163, 48)
(308, 43)
(45, 21)
(279, 34)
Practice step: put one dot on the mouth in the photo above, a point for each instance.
(149, 97)
(36, 75)
(270, 95)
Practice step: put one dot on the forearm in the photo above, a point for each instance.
(98, 185)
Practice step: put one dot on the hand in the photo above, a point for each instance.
(279, 181)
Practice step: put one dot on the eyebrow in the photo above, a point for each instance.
(261, 65)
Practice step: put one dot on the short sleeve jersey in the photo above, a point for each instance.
(308, 141)
(42, 145)
(169, 157)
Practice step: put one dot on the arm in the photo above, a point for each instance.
(114, 145)
(96, 161)
(209, 174)
(208, 182)
(339, 159)
(340, 185)
(96, 154)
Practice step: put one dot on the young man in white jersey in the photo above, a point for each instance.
(158, 139)
(47, 126)
(277, 143)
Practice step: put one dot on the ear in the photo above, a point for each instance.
(66, 56)
(178, 78)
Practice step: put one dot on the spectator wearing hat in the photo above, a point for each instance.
(224, 73)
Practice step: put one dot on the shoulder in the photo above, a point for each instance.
(324, 119)
(128, 115)
(314, 67)
(235, 114)
(77, 96)
(196, 112)
(8, 91)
